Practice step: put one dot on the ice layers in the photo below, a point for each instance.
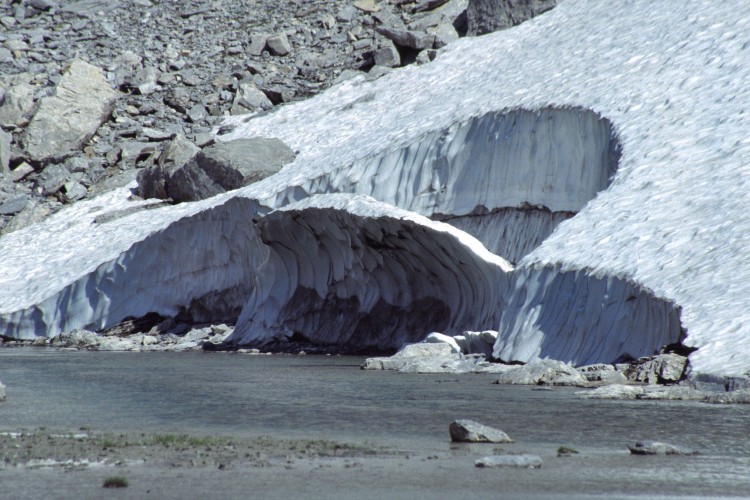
(603, 145)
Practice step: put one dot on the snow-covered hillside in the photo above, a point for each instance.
(621, 127)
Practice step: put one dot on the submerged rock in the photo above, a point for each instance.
(521, 461)
(469, 431)
(657, 448)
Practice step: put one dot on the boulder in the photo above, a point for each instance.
(660, 369)
(82, 101)
(249, 99)
(279, 45)
(387, 55)
(228, 165)
(32, 213)
(79, 338)
(152, 181)
(51, 179)
(521, 461)
(17, 106)
(14, 205)
(486, 16)
(469, 431)
(542, 372)
(2, 392)
(657, 448)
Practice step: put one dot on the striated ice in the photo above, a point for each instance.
(650, 100)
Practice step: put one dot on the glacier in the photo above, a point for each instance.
(609, 139)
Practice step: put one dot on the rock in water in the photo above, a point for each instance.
(522, 461)
(469, 431)
(657, 448)
(2, 392)
(542, 372)
(66, 120)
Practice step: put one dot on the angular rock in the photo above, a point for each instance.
(152, 181)
(387, 55)
(241, 162)
(67, 119)
(279, 44)
(486, 16)
(657, 448)
(542, 372)
(520, 461)
(21, 171)
(5, 140)
(469, 431)
(51, 179)
(14, 205)
(257, 44)
(249, 99)
(405, 38)
(17, 106)
(660, 369)
(74, 191)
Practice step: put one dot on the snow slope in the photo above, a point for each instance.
(653, 92)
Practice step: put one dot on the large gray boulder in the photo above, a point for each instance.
(228, 165)
(469, 431)
(486, 16)
(82, 101)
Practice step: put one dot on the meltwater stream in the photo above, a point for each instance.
(330, 397)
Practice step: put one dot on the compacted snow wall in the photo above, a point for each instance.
(349, 271)
(203, 262)
(546, 163)
(582, 318)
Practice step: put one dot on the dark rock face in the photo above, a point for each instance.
(486, 16)
(184, 174)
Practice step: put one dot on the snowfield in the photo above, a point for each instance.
(619, 127)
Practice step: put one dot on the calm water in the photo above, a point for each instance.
(320, 396)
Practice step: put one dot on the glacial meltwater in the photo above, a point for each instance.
(329, 397)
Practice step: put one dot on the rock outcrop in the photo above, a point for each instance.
(486, 16)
